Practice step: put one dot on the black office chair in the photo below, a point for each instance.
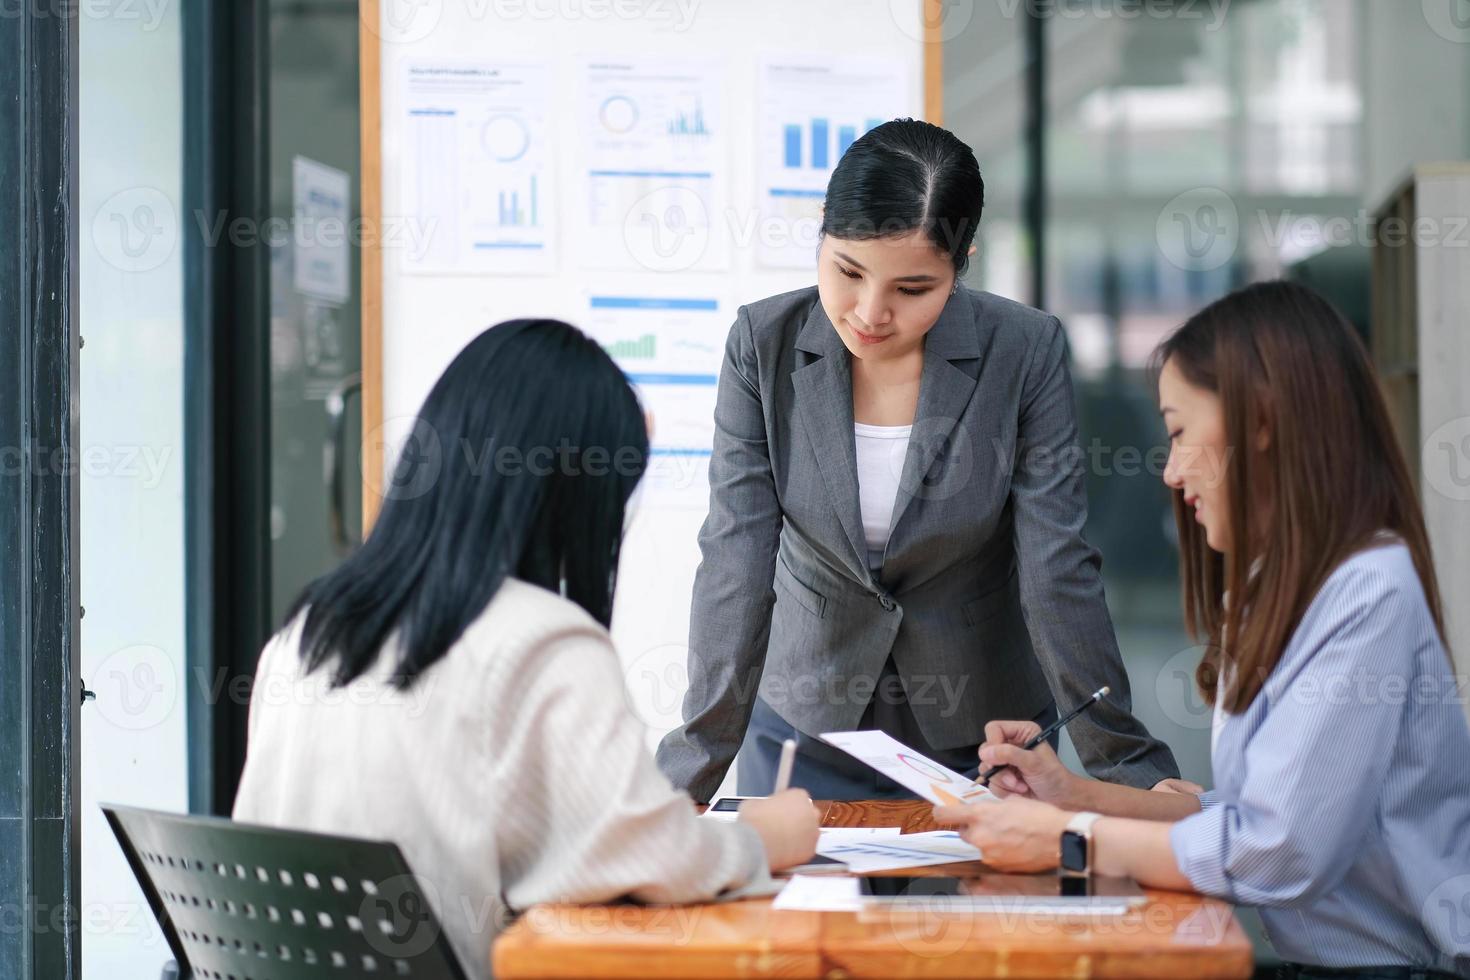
(243, 902)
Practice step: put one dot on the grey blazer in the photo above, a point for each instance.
(988, 600)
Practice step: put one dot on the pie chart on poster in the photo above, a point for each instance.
(505, 138)
(924, 768)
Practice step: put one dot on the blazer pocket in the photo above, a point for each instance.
(810, 599)
(991, 603)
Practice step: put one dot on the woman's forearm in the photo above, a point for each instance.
(1138, 849)
(1113, 800)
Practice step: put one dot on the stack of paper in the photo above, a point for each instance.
(890, 853)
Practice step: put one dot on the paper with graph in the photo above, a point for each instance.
(908, 768)
(893, 852)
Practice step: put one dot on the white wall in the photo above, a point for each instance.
(1442, 196)
(1417, 81)
(428, 319)
(132, 517)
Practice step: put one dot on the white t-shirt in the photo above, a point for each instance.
(880, 453)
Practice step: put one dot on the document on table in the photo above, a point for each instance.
(858, 833)
(819, 893)
(890, 853)
(1009, 894)
(922, 775)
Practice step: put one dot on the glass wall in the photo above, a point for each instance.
(985, 105)
(1191, 148)
(1189, 151)
(132, 742)
(315, 317)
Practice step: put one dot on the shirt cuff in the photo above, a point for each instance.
(1198, 842)
(1208, 799)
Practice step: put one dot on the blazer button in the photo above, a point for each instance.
(886, 601)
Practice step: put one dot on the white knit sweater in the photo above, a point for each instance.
(512, 773)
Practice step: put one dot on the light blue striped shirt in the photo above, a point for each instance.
(1342, 799)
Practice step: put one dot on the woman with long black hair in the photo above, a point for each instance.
(894, 538)
(452, 687)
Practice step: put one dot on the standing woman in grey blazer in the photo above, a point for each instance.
(894, 538)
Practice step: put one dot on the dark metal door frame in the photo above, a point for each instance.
(227, 382)
(40, 691)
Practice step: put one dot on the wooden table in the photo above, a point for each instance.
(1174, 935)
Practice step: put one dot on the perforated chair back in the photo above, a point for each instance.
(243, 902)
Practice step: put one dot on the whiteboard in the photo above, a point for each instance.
(586, 77)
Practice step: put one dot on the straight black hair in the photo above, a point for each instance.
(521, 462)
(903, 176)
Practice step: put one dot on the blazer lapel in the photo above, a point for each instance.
(944, 393)
(823, 387)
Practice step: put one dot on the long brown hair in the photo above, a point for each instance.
(1284, 361)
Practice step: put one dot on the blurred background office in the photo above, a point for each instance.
(1141, 159)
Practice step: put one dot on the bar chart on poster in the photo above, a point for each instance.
(476, 167)
(812, 109)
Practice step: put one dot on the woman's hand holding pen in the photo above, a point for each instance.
(1036, 773)
(788, 825)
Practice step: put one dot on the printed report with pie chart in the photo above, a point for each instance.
(932, 781)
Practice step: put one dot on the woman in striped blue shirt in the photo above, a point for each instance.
(1340, 744)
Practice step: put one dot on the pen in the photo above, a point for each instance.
(1050, 730)
(783, 770)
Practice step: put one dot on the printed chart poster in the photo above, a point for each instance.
(653, 144)
(811, 111)
(670, 347)
(477, 168)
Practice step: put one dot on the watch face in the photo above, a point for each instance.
(1074, 851)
